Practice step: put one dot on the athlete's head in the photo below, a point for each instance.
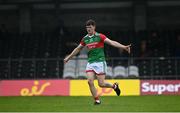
(90, 26)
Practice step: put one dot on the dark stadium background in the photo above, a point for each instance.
(35, 35)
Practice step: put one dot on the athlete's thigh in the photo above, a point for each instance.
(90, 75)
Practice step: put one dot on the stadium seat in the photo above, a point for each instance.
(178, 67)
(41, 69)
(109, 73)
(169, 67)
(4, 70)
(81, 66)
(15, 70)
(69, 74)
(133, 71)
(157, 67)
(119, 72)
(69, 71)
(144, 66)
(53, 68)
(28, 69)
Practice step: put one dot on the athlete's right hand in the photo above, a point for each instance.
(66, 59)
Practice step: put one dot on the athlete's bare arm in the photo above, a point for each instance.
(118, 45)
(73, 53)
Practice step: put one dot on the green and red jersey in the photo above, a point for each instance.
(95, 45)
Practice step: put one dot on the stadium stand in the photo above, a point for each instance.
(40, 55)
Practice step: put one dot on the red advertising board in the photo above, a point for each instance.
(65, 88)
(34, 87)
(160, 87)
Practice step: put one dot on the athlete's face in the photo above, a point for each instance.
(90, 29)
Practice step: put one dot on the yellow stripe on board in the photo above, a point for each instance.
(128, 87)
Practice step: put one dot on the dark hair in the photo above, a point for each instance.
(90, 22)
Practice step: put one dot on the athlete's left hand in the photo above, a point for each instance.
(128, 48)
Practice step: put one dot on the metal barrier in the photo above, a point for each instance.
(148, 68)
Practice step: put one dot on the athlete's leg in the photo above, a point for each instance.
(102, 83)
(90, 76)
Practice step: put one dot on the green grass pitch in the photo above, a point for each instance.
(85, 104)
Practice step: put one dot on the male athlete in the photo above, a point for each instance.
(96, 65)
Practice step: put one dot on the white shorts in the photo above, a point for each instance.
(97, 67)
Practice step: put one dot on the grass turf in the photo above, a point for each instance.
(85, 104)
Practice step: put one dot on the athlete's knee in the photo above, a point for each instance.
(90, 82)
(101, 84)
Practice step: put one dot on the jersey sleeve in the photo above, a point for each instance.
(82, 42)
(102, 36)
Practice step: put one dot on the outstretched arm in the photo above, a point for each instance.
(118, 45)
(73, 53)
